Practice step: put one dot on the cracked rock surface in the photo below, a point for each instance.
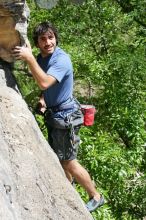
(33, 185)
(13, 26)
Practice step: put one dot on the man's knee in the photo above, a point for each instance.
(68, 165)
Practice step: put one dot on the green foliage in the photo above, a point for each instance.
(116, 170)
(106, 42)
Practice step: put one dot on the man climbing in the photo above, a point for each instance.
(53, 73)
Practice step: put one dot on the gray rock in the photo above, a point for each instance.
(48, 4)
(33, 185)
(13, 26)
(6, 77)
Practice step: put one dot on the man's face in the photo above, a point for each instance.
(47, 43)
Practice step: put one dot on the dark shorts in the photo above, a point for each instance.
(63, 136)
(65, 146)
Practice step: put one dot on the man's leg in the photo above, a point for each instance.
(81, 176)
(68, 175)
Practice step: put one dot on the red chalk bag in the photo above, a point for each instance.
(89, 113)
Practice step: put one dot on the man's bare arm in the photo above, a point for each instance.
(43, 80)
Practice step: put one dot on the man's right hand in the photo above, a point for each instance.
(22, 53)
(41, 106)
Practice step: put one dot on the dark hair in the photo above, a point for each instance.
(43, 28)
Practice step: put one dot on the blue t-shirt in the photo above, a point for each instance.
(60, 67)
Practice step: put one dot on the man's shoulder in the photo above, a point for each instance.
(61, 60)
(60, 52)
(60, 57)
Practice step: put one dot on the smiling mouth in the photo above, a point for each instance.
(48, 48)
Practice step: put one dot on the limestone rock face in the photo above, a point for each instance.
(33, 185)
(48, 4)
(13, 26)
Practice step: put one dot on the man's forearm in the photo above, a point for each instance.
(43, 80)
(39, 75)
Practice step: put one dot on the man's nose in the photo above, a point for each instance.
(47, 42)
